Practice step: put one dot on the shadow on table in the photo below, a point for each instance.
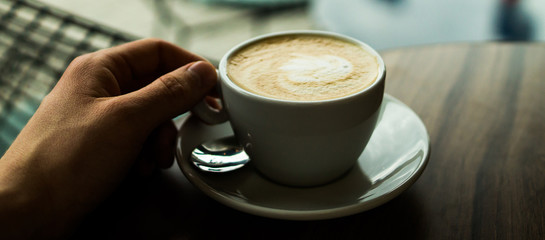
(169, 207)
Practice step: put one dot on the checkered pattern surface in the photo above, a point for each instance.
(37, 43)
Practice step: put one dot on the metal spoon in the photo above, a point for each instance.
(220, 155)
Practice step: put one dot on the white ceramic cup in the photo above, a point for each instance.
(299, 143)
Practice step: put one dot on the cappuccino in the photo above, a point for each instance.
(303, 67)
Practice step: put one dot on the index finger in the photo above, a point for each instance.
(146, 59)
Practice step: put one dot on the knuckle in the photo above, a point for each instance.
(157, 41)
(174, 86)
(89, 61)
(81, 61)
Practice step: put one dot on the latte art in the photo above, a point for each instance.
(303, 68)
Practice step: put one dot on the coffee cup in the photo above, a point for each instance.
(303, 104)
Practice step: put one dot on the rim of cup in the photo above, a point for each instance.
(225, 78)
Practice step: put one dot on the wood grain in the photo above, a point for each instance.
(484, 107)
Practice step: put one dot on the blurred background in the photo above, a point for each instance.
(38, 38)
(211, 27)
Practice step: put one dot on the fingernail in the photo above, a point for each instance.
(205, 71)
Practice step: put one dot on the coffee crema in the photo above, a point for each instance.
(303, 67)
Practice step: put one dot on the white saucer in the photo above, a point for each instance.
(394, 158)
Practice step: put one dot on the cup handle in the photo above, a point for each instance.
(207, 113)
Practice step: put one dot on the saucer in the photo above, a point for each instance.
(394, 158)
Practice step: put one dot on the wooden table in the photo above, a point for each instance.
(484, 107)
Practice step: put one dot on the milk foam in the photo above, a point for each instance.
(303, 68)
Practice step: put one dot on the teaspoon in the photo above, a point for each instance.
(220, 155)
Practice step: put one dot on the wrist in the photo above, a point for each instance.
(26, 206)
(18, 203)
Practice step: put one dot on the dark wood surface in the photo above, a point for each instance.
(484, 107)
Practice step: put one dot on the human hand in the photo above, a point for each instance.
(110, 109)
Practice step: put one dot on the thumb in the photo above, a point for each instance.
(173, 93)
